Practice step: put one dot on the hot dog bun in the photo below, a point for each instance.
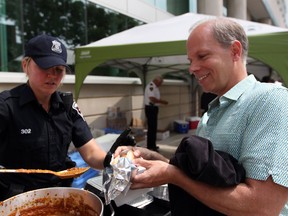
(127, 154)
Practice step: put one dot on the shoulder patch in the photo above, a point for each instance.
(77, 109)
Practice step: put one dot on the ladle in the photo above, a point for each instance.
(64, 174)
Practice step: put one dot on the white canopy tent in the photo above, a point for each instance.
(160, 48)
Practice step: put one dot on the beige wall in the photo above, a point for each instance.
(94, 100)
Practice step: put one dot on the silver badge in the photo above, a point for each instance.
(56, 46)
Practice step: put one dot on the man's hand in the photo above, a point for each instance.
(155, 173)
(124, 139)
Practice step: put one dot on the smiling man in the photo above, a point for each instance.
(247, 120)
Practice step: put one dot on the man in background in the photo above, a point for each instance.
(152, 100)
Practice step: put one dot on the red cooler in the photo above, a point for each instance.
(193, 122)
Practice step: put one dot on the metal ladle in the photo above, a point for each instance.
(64, 174)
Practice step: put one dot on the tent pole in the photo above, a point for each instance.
(145, 69)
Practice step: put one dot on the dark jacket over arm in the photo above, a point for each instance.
(198, 159)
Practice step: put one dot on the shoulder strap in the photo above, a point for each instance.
(67, 98)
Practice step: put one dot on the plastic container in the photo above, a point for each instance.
(81, 180)
(112, 131)
(181, 126)
(162, 135)
(193, 122)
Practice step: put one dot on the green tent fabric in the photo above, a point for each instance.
(104, 54)
(271, 49)
(160, 48)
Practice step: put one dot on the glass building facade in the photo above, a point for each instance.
(75, 22)
(68, 20)
(175, 7)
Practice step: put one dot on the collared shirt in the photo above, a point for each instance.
(32, 138)
(250, 123)
(151, 90)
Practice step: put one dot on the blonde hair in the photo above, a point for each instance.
(28, 60)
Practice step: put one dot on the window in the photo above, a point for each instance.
(76, 22)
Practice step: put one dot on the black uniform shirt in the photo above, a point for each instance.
(32, 138)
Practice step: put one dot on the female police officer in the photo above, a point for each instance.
(37, 125)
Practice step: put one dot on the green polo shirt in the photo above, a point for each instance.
(250, 122)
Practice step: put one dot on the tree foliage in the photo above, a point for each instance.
(76, 22)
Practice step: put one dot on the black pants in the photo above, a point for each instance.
(151, 113)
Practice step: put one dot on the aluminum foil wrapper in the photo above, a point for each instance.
(116, 179)
(161, 192)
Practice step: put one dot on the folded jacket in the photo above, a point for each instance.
(196, 157)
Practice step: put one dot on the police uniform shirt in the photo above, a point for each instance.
(151, 90)
(32, 138)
